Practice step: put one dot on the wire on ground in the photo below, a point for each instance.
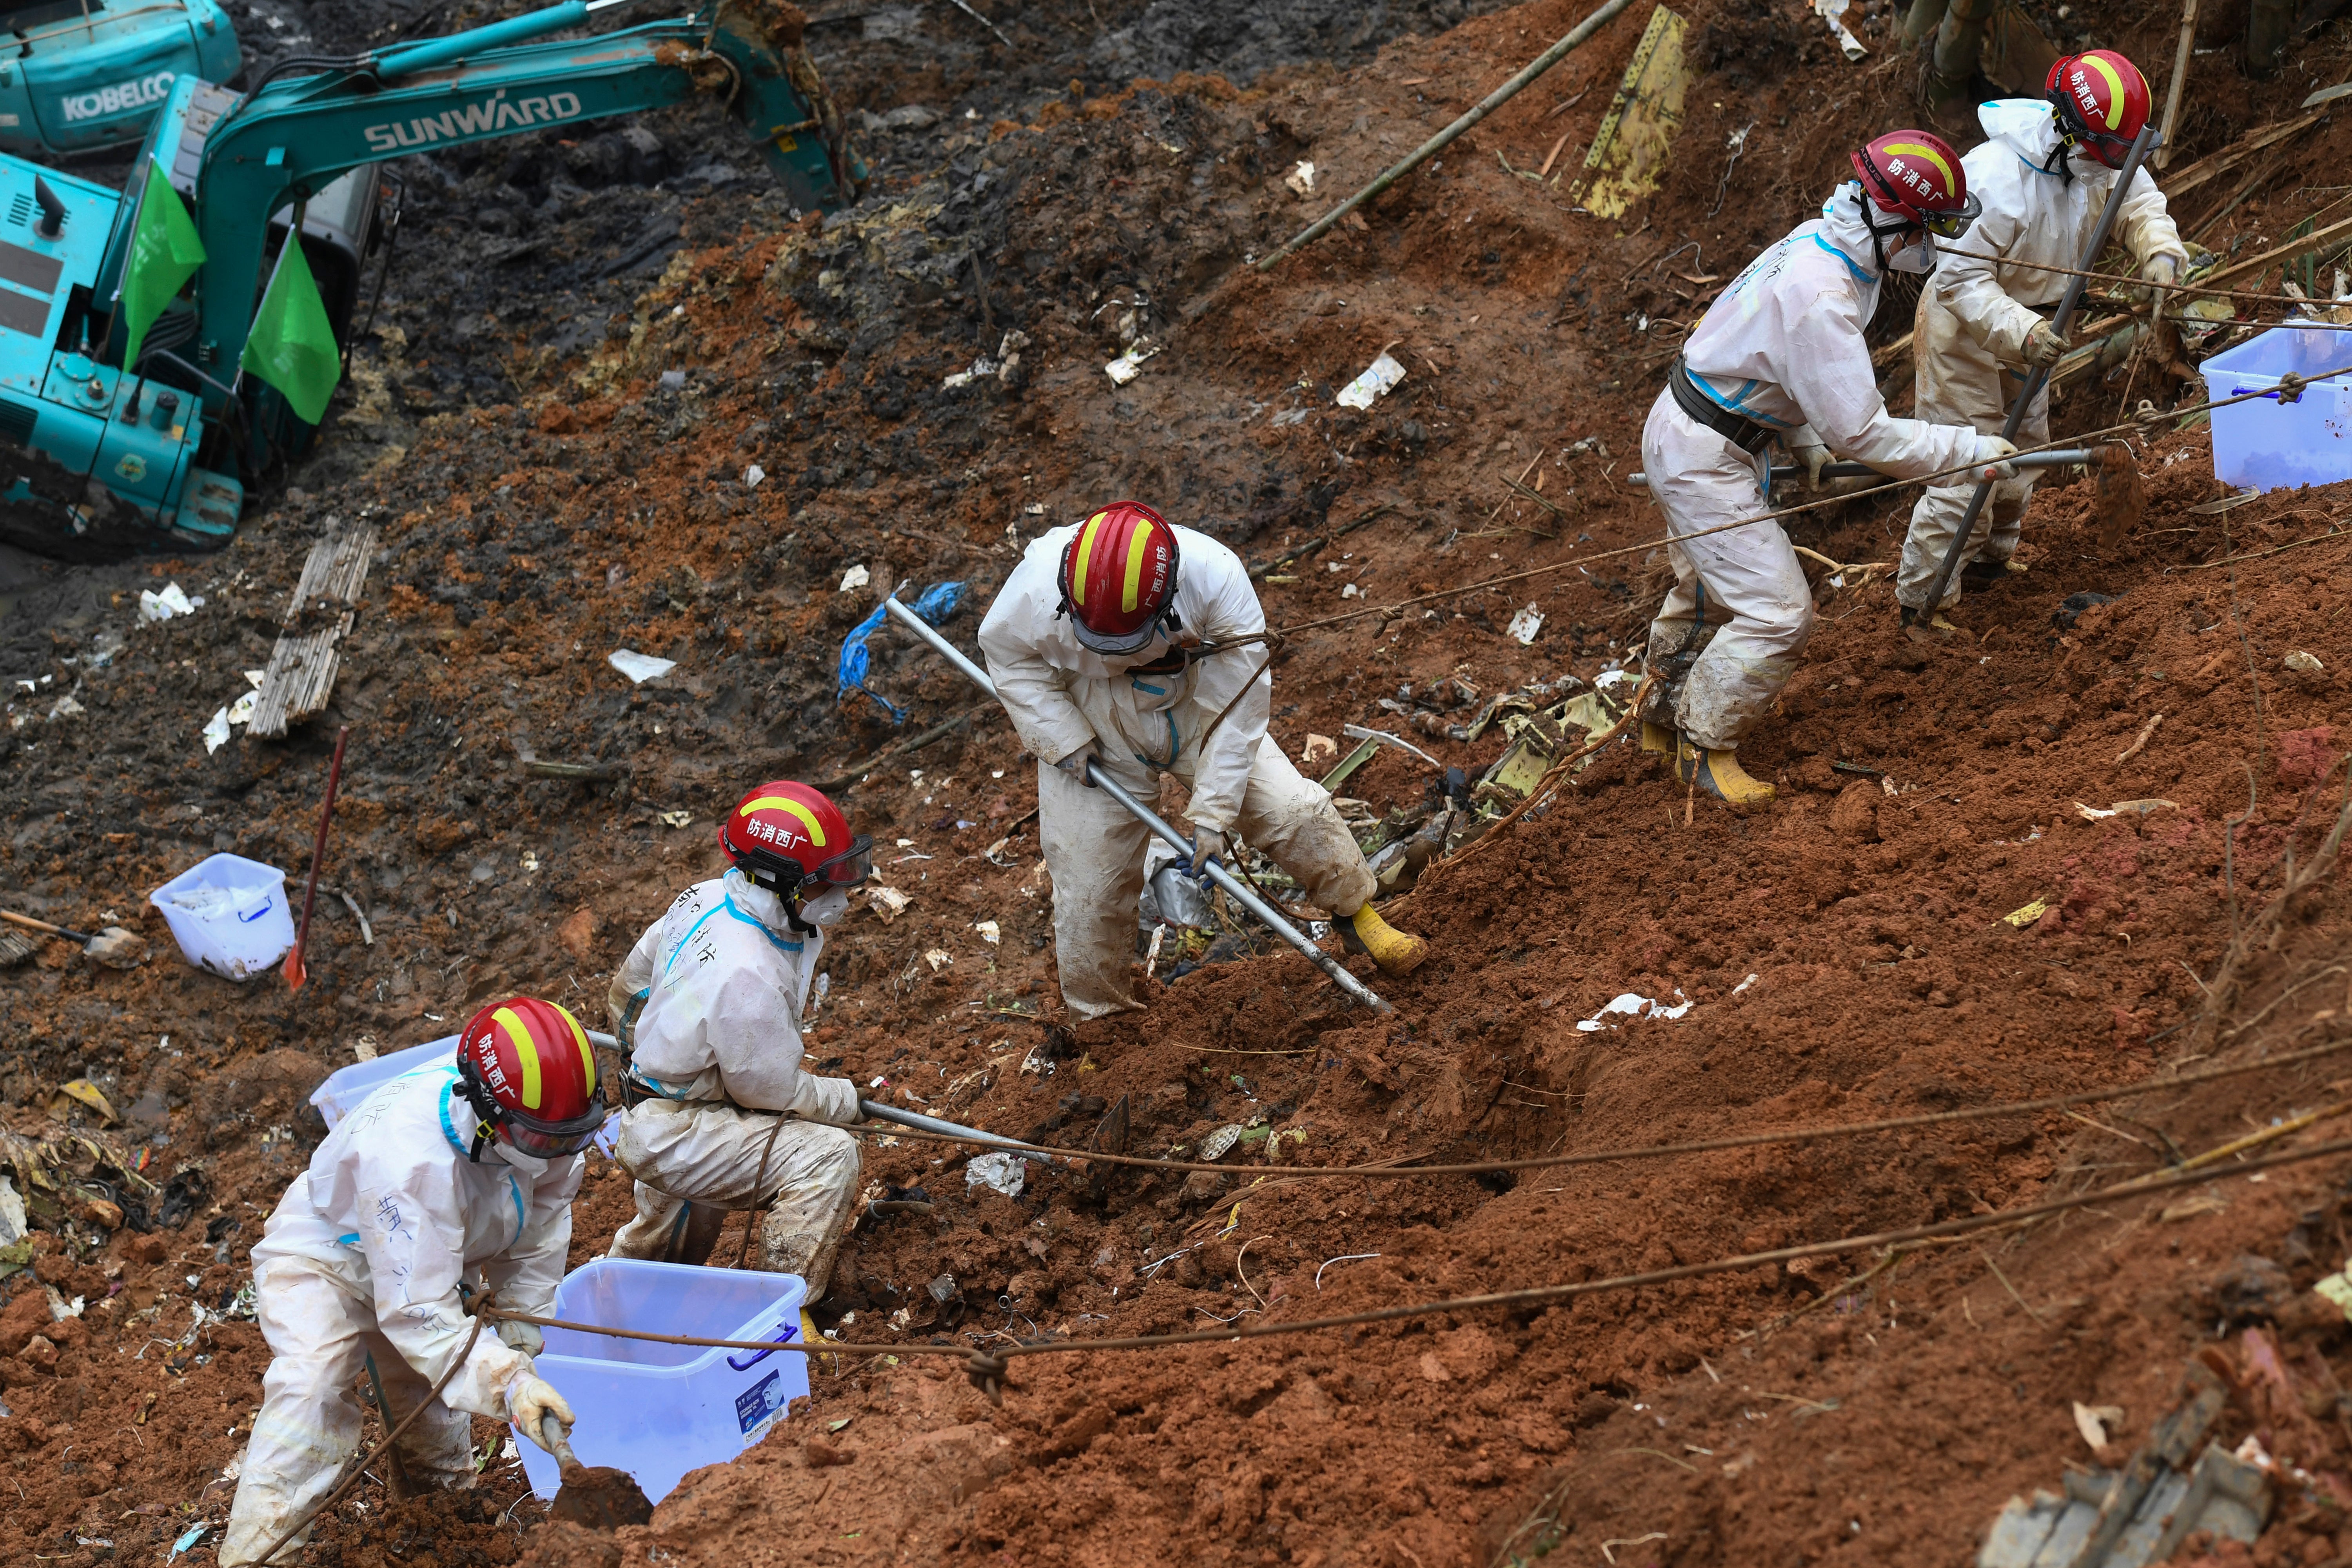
(987, 1369)
(1652, 1152)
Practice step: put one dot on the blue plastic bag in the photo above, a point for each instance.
(935, 606)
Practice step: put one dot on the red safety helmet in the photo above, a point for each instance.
(1916, 174)
(528, 1070)
(783, 834)
(2103, 103)
(1118, 578)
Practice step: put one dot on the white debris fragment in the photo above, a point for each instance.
(216, 732)
(1628, 1004)
(1525, 625)
(939, 958)
(886, 902)
(162, 607)
(1003, 1173)
(990, 932)
(1301, 179)
(752, 475)
(1378, 378)
(639, 668)
(1122, 370)
(857, 576)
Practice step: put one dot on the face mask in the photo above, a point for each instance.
(827, 908)
(528, 1165)
(1918, 256)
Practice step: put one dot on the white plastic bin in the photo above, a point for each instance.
(2267, 445)
(658, 1410)
(248, 932)
(346, 1087)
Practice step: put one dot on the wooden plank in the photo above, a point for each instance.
(2215, 164)
(302, 666)
(1629, 151)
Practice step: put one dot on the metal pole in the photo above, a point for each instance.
(877, 1112)
(1437, 144)
(1235, 888)
(2064, 457)
(2034, 382)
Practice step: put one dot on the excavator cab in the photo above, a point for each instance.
(82, 75)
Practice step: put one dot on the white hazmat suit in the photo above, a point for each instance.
(1147, 714)
(361, 1258)
(1968, 341)
(1781, 347)
(708, 1003)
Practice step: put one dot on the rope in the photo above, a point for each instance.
(1655, 1150)
(2183, 285)
(987, 1369)
(360, 1468)
(2126, 428)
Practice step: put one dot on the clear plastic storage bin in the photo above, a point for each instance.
(658, 1410)
(229, 915)
(346, 1087)
(2266, 445)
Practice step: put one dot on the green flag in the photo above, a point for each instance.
(291, 346)
(165, 251)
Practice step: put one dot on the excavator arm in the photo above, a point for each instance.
(289, 139)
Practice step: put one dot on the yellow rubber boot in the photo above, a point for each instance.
(1392, 950)
(1656, 737)
(1721, 776)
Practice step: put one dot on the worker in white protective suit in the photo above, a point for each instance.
(721, 1116)
(1137, 645)
(2044, 179)
(1779, 358)
(461, 1174)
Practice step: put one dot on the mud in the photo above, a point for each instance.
(543, 497)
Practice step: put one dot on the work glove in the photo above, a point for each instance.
(2162, 269)
(1208, 843)
(530, 1398)
(523, 1337)
(1075, 764)
(1812, 455)
(2044, 344)
(1991, 450)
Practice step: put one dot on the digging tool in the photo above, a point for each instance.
(1235, 888)
(1923, 629)
(295, 973)
(597, 1497)
(114, 947)
(877, 1111)
(2065, 456)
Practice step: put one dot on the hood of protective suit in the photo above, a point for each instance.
(2027, 127)
(1844, 225)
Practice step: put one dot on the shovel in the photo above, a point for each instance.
(597, 1497)
(114, 947)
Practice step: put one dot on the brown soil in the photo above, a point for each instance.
(1775, 1416)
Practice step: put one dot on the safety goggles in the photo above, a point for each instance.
(851, 867)
(553, 1140)
(1952, 225)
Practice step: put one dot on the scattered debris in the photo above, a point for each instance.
(675, 818)
(1525, 625)
(887, 902)
(2140, 741)
(162, 607)
(1002, 1173)
(1123, 369)
(989, 931)
(2144, 1513)
(639, 668)
(939, 958)
(2032, 912)
(1631, 1005)
(2135, 807)
(1629, 151)
(1301, 179)
(1842, 15)
(2304, 663)
(857, 576)
(300, 676)
(2093, 1421)
(88, 1093)
(1377, 381)
(1220, 1143)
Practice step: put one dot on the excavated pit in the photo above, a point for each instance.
(581, 352)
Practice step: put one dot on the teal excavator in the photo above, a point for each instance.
(101, 460)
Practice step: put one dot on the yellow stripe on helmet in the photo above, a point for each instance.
(1138, 545)
(782, 803)
(1918, 150)
(2114, 88)
(1086, 532)
(526, 1053)
(587, 1055)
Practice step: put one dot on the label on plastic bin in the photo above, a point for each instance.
(759, 1405)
